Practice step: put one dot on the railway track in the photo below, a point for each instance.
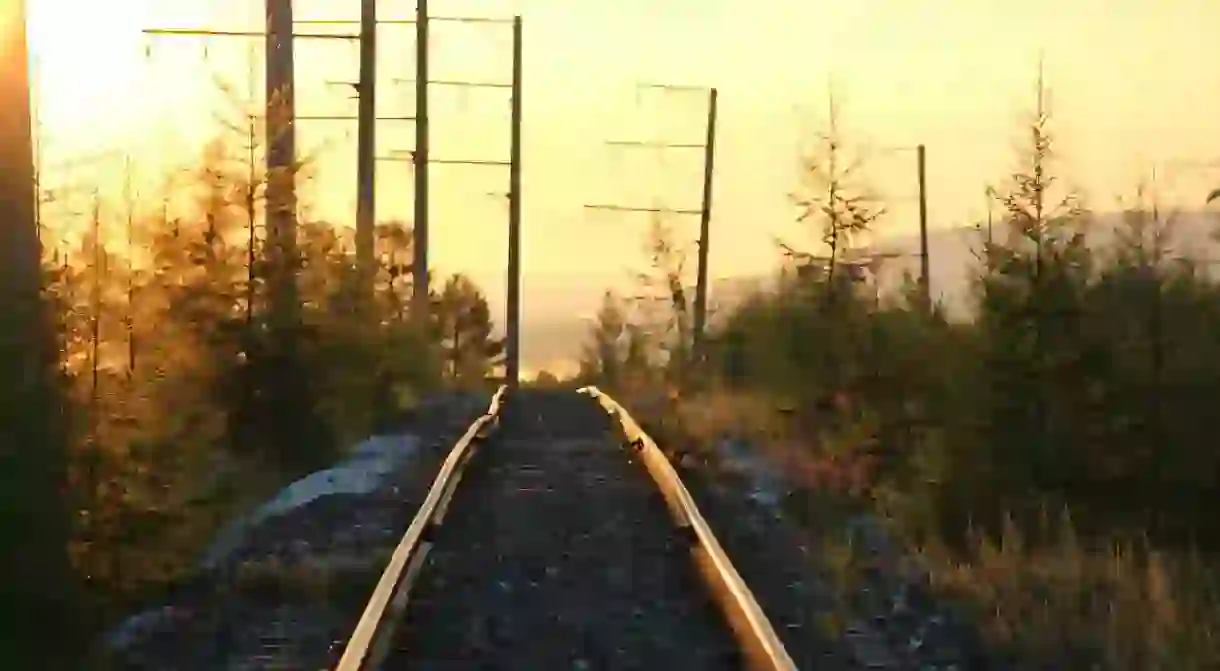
(557, 535)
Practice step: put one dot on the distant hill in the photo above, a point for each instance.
(952, 260)
(558, 316)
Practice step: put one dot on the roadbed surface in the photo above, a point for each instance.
(558, 552)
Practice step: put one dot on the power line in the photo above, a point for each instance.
(705, 209)
(279, 38)
(280, 83)
(420, 158)
(200, 32)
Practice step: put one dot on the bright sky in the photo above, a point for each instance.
(1134, 82)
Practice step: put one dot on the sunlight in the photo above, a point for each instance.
(87, 58)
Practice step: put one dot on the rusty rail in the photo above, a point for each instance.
(367, 645)
(755, 634)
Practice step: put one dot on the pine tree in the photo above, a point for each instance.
(834, 199)
(1031, 311)
(602, 357)
(464, 322)
(663, 286)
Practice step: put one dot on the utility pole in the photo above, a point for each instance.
(705, 220)
(419, 270)
(512, 364)
(705, 210)
(925, 275)
(365, 143)
(281, 115)
(279, 43)
(420, 159)
(925, 280)
(281, 158)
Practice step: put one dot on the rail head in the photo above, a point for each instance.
(756, 630)
(357, 654)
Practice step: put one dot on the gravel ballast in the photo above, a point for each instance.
(558, 552)
(890, 621)
(290, 592)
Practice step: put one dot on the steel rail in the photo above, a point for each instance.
(366, 647)
(763, 648)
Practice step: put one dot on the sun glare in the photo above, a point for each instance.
(87, 58)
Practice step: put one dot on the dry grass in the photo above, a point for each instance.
(1119, 607)
(1063, 603)
(717, 415)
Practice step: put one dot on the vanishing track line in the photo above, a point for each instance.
(563, 546)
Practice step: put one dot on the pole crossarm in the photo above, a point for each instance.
(456, 82)
(197, 32)
(336, 117)
(351, 22)
(708, 147)
(460, 161)
(653, 210)
(407, 155)
(654, 144)
(684, 88)
(431, 19)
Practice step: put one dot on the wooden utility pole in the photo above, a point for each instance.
(925, 279)
(281, 118)
(512, 365)
(419, 274)
(279, 45)
(281, 163)
(420, 159)
(705, 219)
(925, 275)
(365, 148)
(705, 210)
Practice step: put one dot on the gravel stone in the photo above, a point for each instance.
(209, 623)
(542, 565)
(893, 620)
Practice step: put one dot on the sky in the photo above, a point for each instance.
(1134, 83)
